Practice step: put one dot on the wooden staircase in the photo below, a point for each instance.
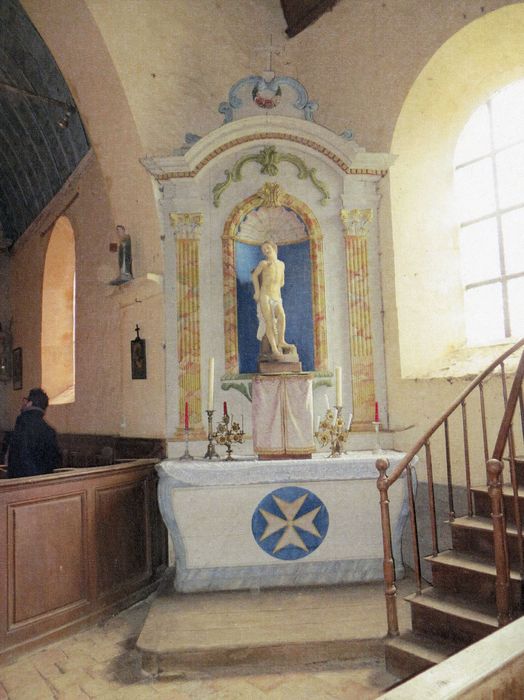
(460, 607)
(477, 584)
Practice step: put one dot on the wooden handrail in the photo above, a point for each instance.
(511, 405)
(401, 466)
(494, 469)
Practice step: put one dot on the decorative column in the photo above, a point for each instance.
(187, 236)
(356, 227)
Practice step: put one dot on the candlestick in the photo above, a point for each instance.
(338, 386)
(210, 382)
(186, 456)
(186, 417)
(377, 418)
(211, 453)
(378, 449)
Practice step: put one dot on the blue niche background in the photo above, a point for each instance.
(296, 297)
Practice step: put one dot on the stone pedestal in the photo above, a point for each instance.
(283, 416)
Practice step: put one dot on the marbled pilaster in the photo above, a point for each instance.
(356, 224)
(187, 234)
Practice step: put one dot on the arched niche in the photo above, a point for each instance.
(58, 315)
(272, 214)
(319, 182)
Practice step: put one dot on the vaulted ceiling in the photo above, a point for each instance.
(42, 138)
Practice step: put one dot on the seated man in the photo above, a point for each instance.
(33, 448)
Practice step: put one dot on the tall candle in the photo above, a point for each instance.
(377, 419)
(350, 418)
(186, 417)
(327, 401)
(338, 386)
(210, 383)
(225, 408)
(318, 424)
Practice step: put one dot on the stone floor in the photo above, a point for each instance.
(102, 662)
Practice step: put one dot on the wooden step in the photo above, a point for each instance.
(475, 535)
(463, 574)
(411, 653)
(519, 468)
(482, 502)
(452, 618)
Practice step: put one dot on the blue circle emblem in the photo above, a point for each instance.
(290, 523)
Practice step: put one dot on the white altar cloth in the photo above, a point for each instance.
(253, 524)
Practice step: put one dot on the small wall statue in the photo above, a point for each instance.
(268, 279)
(125, 267)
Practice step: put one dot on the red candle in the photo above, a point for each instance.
(186, 417)
(225, 408)
(377, 419)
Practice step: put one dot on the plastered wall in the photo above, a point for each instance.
(142, 79)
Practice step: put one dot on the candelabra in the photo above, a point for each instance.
(211, 453)
(186, 455)
(227, 435)
(331, 431)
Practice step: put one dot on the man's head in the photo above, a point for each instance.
(38, 398)
(269, 244)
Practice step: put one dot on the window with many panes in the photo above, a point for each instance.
(489, 184)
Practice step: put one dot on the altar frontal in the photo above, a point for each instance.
(293, 523)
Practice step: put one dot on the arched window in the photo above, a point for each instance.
(489, 185)
(440, 321)
(58, 315)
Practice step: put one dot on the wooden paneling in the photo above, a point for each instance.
(39, 552)
(123, 551)
(74, 546)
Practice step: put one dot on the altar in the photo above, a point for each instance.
(248, 524)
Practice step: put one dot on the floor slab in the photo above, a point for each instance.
(193, 633)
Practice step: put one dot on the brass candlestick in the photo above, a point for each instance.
(227, 435)
(331, 432)
(211, 453)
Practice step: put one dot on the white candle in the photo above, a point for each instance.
(210, 383)
(327, 401)
(318, 424)
(338, 386)
(349, 421)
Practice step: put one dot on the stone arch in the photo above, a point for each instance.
(271, 195)
(479, 59)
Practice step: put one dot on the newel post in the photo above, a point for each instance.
(494, 467)
(390, 589)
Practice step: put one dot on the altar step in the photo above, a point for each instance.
(194, 634)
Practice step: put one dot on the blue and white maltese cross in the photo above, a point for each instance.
(290, 523)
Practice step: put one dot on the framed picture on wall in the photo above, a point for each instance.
(17, 368)
(138, 357)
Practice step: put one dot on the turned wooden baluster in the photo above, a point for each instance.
(390, 590)
(494, 467)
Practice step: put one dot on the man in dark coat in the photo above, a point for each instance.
(33, 448)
